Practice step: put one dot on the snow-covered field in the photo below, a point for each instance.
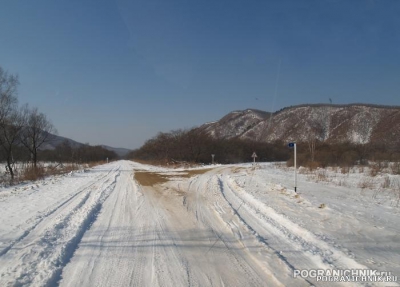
(129, 224)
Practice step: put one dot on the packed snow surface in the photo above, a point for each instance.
(235, 225)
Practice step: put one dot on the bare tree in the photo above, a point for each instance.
(316, 133)
(312, 140)
(37, 132)
(11, 121)
(11, 128)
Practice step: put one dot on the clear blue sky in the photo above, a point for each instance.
(116, 72)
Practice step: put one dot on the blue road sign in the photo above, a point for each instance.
(291, 144)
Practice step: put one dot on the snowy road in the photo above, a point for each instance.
(127, 224)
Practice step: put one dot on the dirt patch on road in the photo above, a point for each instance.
(145, 178)
(150, 178)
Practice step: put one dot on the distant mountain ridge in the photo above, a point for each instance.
(355, 123)
(57, 140)
(121, 152)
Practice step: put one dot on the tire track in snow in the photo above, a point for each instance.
(253, 231)
(45, 258)
(72, 244)
(218, 222)
(254, 215)
(111, 252)
(220, 207)
(48, 213)
(176, 271)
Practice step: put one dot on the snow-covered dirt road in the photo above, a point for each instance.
(128, 224)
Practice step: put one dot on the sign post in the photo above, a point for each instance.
(295, 165)
(212, 159)
(254, 155)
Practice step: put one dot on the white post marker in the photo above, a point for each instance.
(295, 165)
(212, 158)
(254, 155)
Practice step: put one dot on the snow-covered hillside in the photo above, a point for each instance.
(128, 224)
(355, 123)
(235, 123)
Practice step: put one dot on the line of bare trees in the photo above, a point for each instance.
(344, 154)
(194, 145)
(20, 126)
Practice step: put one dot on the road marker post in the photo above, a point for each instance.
(293, 145)
(254, 155)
